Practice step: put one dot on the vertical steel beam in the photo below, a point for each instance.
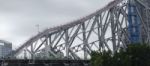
(113, 29)
(25, 54)
(148, 26)
(67, 43)
(99, 24)
(47, 48)
(32, 52)
(101, 40)
(84, 41)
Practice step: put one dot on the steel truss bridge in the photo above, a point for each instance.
(116, 25)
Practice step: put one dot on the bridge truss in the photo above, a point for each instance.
(105, 29)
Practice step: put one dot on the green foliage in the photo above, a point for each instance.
(133, 55)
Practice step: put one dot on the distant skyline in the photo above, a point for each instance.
(19, 18)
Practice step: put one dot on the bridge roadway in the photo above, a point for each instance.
(44, 63)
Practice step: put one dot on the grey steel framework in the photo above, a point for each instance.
(105, 29)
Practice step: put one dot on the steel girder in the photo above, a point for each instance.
(106, 29)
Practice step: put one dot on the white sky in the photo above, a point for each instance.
(18, 18)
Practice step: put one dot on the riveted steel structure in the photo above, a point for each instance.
(105, 29)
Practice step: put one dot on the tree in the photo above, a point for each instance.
(134, 55)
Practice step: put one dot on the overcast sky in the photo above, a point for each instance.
(18, 18)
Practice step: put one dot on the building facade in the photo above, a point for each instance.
(5, 48)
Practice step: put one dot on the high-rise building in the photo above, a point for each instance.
(5, 48)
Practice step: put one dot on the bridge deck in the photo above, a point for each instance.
(44, 62)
